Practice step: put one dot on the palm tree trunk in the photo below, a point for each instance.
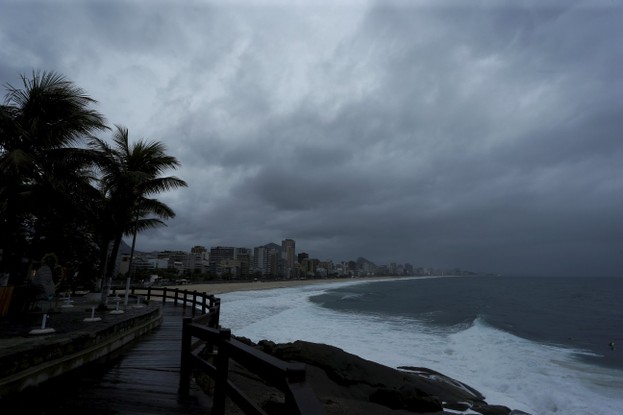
(132, 249)
(110, 269)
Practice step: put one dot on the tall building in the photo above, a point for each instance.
(220, 254)
(243, 255)
(230, 261)
(198, 249)
(288, 253)
(259, 259)
(264, 258)
(302, 256)
(275, 263)
(197, 260)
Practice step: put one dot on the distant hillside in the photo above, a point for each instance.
(361, 261)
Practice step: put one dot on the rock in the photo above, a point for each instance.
(410, 399)
(491, 409)
(349, 385)
(458, 406)
(267, 346)
(343, 368)
(418, 390)
(244, 340)
(450, 390)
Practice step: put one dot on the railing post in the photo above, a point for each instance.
(177, 293)
(164, 295)
(194, 304)
(295, 374)
(222, 367)
(185, 369)
(218, 312)
(148, 293)
(204, 307)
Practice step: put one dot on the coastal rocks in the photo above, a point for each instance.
(437, 384)
(348, 385)
(409, 398)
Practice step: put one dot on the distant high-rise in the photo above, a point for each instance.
(288, 253)
(302, 256)
(220, 254)
(260, 259)
(266, 258)
(243, 255)
(198, 249)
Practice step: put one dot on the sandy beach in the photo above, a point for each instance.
(227, 287)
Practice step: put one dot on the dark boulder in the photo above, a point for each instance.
(410, 399)
(349, 385)
(449, 389)
(416, 389)
(492, 409)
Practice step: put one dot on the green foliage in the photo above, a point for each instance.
(43, 176)
(64, 189)
(129, 176)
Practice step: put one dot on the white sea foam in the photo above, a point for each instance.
(508, 370)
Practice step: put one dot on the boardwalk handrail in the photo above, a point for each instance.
(207, 304)
(287, 377)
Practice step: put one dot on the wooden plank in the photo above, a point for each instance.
(144, 380)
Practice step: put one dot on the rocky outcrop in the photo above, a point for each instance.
(348, 385)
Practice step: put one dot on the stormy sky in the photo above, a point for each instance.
(485, 135)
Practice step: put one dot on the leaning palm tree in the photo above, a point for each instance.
(42, 168)
(130, 177)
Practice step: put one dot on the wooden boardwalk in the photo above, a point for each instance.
(143, 380)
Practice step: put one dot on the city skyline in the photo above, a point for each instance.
(258, 255)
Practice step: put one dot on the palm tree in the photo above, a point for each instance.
(130, 177)
(42, 173)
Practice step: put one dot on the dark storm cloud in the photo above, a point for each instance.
(484, 136)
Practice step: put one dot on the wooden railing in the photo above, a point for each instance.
(206, 304)
(203, 332)
(289, 378)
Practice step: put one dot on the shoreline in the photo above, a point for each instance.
(230, 287)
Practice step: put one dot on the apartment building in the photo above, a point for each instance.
(288, 254)
(266, 259)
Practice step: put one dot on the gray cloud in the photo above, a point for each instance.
(485, 136)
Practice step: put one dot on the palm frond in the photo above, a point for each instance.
(144, 224)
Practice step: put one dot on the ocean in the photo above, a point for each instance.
(537, 344)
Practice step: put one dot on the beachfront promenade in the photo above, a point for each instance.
(149, 353)
(142, 379)
(137, 354)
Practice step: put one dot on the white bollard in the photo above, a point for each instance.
(92, 318)
(138, 303)
(43, 329)
(127, 291)
(116, 310)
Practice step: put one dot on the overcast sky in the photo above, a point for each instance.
(486, 135)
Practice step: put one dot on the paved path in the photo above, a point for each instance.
(142, 381)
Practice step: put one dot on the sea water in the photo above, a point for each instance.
(541, 345)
